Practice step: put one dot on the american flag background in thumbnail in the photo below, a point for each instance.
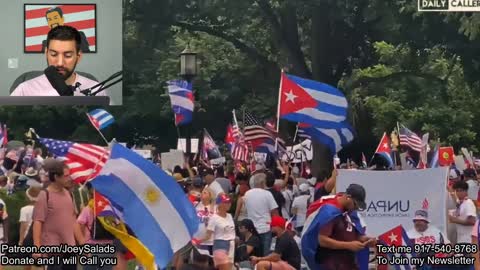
(80, 16)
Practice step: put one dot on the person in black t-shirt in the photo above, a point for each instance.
(250, 244)
(286, 255)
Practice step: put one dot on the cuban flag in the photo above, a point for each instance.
(384, 150)
(100, 118)
(319, 214)
(334, 138)
(181, 97)
(153, 205)
(397, 237)
(229, 139)
(311, 102)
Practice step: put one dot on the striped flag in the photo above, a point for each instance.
(301, 133)
(84, 160)
(37, 26)
(100, 118)
(259, 135)
(410, 139)
(397, 237)
(240, 152)
(182, 100)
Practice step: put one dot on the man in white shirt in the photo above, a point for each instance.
(261, 206)
(424, 233)
(63, 52)
(471, 179)
(465, 215)
(209, 178)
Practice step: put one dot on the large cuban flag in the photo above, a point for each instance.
(153, 204)
(311, 102)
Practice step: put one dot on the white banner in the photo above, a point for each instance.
(299, 153)
(182, 145)
(172, 159)
(394, 196)
(144, 153)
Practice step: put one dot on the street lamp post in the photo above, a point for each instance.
(188, 71)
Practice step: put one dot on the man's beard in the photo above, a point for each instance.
(68, 72)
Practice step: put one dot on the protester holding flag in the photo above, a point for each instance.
(333, 233)
(222, 228)
(205, 211)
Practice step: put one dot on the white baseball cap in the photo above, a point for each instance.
(304, 187)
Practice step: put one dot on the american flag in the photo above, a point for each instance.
(410, 139)
(237, 133)
(84, 160)
(82, 17)
(240, 152)
(256, 133)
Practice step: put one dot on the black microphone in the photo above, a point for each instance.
(57, 81)
(100, 87)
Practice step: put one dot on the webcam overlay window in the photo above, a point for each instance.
(83, 55)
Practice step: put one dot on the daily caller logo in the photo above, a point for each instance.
(449, 5)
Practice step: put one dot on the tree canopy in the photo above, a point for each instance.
(393, 63)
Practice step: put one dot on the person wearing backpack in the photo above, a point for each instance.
(93, 232)
(54, 215)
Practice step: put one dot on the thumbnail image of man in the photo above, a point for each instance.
(55, 18)
(63, 53)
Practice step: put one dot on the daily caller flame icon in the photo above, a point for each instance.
(425, 204)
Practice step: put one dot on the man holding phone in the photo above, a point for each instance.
(341, 235)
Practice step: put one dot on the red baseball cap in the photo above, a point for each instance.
(278, 221)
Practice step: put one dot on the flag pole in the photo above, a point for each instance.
(295, 136)
(278, 109)
(101, 134)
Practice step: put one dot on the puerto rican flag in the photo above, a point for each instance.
(311, 102)
(100, 118)
(384, 149)
(81, 17)
(181, 97)
(397, 237)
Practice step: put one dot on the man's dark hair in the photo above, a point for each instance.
(220, 172)
(241, 177)
(270, 179)
(460, 185)
(277, 173)
(64, 33)
(55, 9)
(55, 168)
